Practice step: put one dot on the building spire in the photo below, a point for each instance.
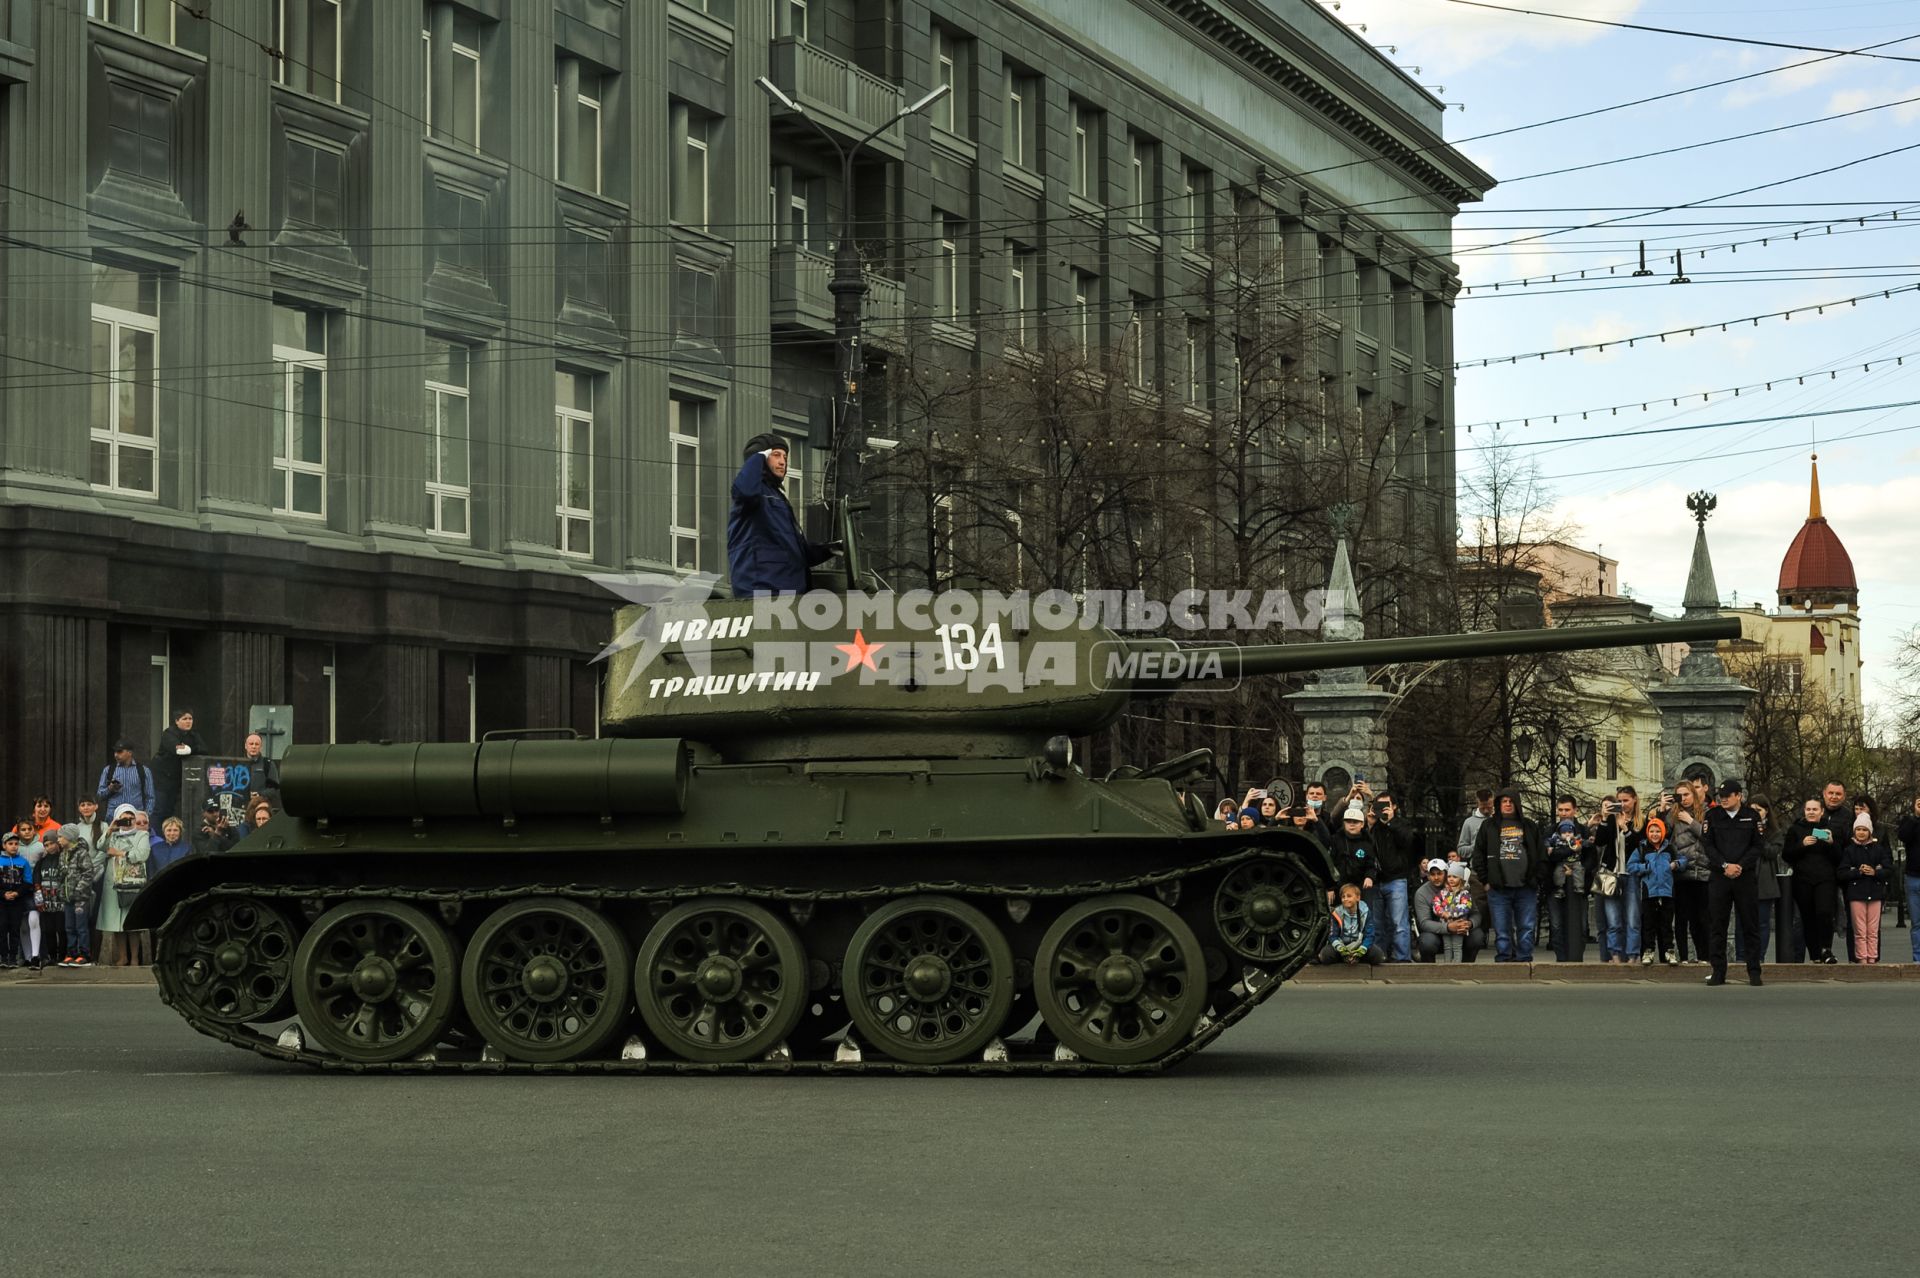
(1703, 593)
(1813, 507)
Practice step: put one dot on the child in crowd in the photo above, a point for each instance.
(1352, 938)
(48, 904)
(1453, 902)
(1864, 870)
(1652, 863)
(16, 898)
(1564, 848)
(79, 886)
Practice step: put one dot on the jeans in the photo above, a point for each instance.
(1516, 914)
(1390, 922)
(1913, 912)
(79, 927)
(1623, 921)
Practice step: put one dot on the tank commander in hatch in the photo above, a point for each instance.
(767, 553)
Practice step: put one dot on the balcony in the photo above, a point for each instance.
(842, 98)
(802, 304)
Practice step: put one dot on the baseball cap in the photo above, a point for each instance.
(1731, 786)
(124, 810)
(1436, 864)
(123, 744)
(10, 836)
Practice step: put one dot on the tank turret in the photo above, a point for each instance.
(888, 674)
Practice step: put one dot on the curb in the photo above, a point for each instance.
(1597, 974)
(52, 976)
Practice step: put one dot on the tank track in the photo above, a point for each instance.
(1244, 994)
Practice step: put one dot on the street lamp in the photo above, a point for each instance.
(849, 288)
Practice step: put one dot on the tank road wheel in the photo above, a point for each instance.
(547, 980)
(929, 980)
(720, 980)
(228, 960)
(1269, 910)
(1120, 979)
(375, 981)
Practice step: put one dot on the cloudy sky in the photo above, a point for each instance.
(1627, 490)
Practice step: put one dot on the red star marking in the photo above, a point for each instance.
(860, 652)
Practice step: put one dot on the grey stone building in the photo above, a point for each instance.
(343, 338)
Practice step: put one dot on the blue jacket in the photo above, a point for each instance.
(16, 876)
(766, 551)
(1655, 866)
(165, 853)
(136, 787)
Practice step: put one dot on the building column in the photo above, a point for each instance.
(566, 106)
(440, 32)
(293, 43)
(249, 669)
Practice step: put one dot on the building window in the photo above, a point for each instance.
(300, 411)
(1141, 161)
(789, 18)
(462, 67)
(1020, 300)
(696, 305)
(1014, 143)
(140, 134)
(1613, 760)
(316, 68)
(691, 208)
(462, 234)
(946, 279)
(584, 261)
(944, 112)
(1083, 286)
(124, 424)
(1083, 127)
(684, 428)
(153, 19)
(797, 213)
(1196, 360)
(449, 439)
(1139, 365)
(573, 449)
(314, 181)
(576, 132)
(1193, 206)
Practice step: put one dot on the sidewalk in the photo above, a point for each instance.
(1485, 972)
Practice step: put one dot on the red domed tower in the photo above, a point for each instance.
(1817, 625)
(1817, 572)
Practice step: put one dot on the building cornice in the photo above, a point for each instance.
(1279, 55)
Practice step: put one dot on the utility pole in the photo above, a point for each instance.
(849, 288)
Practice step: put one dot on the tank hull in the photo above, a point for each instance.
(1009, 847)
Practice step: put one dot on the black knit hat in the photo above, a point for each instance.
(761, 443)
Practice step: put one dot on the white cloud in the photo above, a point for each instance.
(1858, 99)
(1596, 330)
(1802, 71)
(1455, 36)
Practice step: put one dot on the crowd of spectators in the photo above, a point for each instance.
(1660, 884)
(65, 886)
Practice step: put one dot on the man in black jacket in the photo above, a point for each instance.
(1399, 852)
(1732, 845)
(1839, 823)
(1510, 865)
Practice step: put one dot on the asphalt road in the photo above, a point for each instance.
(1439, 1130)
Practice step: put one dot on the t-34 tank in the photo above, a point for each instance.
(838, 813)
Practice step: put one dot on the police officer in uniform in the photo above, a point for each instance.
(1732, 845)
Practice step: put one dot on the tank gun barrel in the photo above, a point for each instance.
(1205, 664)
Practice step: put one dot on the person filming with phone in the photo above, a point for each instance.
(1812, 851)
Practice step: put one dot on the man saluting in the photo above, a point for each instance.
(767, 554)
